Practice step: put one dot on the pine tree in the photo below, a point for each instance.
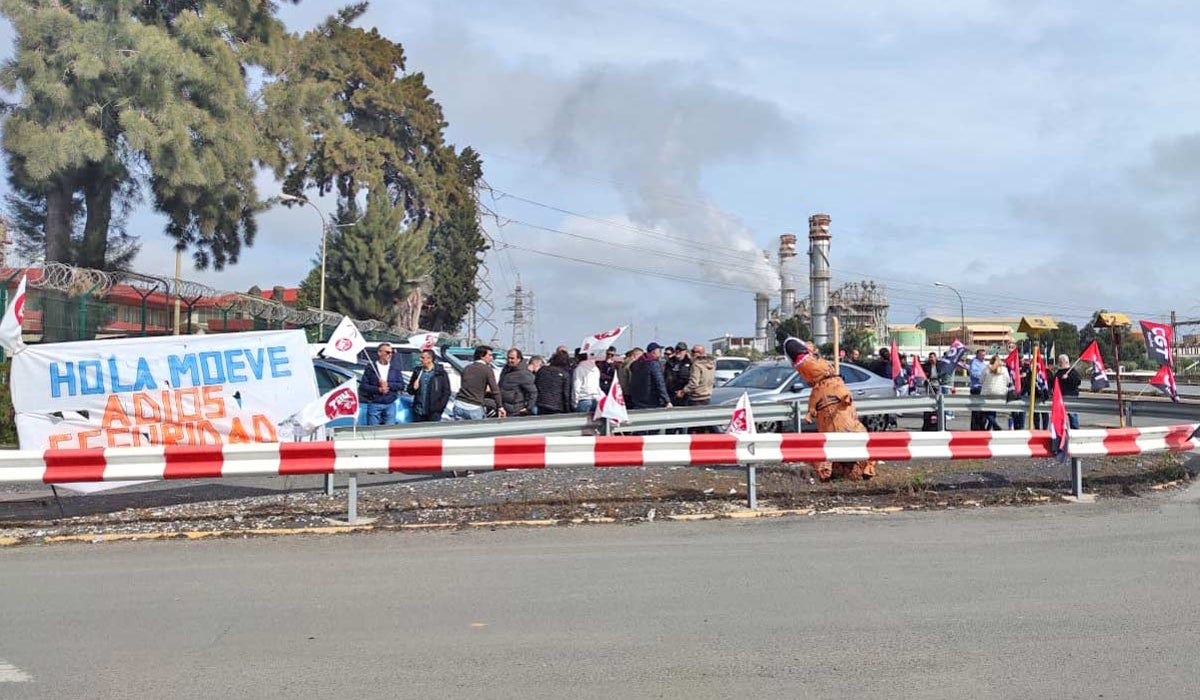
(148, 91)
(372, 265)
(349, 115)
(456, 244)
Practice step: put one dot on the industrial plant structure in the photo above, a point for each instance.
(855, 304)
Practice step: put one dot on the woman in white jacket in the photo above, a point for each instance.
(994, 385)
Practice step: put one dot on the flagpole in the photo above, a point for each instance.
(1116, 341)
(1033, 375)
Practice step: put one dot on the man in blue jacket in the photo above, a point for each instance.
(381, 385)
(648, 385)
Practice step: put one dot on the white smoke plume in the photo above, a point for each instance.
(650, 130)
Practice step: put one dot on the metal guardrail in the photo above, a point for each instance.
(787, 413)
(566, 423)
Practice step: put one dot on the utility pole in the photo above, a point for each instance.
(522, 310)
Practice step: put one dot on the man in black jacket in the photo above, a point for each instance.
(430, 387)
(517, 389)
(381, 385)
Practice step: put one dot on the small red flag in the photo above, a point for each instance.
(1013, 362)
(1059, 430)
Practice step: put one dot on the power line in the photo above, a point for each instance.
(640, 271)
(657, 251)
(628, 227)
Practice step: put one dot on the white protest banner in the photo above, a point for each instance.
(346, 342)
(14, 316)
(168, 390)
(596, 344)
(425, 341)
(742, 421)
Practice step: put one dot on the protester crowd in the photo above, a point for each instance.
(566, 382)
(1012, 378)
(662, 377)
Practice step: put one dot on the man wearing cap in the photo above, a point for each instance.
(678, 370)
(648, 386)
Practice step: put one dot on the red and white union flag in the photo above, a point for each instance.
(742, 422)
(14, 316)
(340, 401)
(611, 406)
(596, 344)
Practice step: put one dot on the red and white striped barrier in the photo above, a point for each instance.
(486, 454)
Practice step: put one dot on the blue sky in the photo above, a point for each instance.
(1041, 157)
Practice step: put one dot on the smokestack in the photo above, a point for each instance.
(818, 266)
(762, 309)
(787, 281)
(787, 304)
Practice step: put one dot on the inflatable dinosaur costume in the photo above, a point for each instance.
(830, 406)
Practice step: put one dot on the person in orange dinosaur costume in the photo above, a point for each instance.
(830, 406)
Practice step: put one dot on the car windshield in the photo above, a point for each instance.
(407, 358)
(731, 364)
(771, 377)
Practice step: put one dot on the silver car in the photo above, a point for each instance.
(774, 381)
(729, 367)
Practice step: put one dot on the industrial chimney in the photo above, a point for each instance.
(762, 310)
(818, 267)
(787, 276)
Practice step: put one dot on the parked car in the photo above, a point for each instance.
(465, 356)
(729, 367)
(331, 373)
(774, 381)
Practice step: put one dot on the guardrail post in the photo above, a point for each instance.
(941, 410)
(752, 486)
(797, 417)
(329, 484)
(1077, 476)
(352, 502)
(1128, 414)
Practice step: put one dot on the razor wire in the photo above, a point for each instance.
(75, 281)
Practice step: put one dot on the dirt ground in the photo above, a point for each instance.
(569, 496)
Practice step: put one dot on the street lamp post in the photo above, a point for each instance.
(962, 313)
(324, 236)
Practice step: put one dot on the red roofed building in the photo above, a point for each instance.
(130, 310)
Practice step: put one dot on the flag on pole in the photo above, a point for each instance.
(340, 401)
(598, 343)
(14, 316)
(1158, 341)
(1059, 427)
(1164, 381)
(951, 358)
(425, 341)
(612, 406)
(742, 421)
(346, 342)
(917, 373)
(895, 362)
(1099, 373)
(1013, 362)
(1042, 381)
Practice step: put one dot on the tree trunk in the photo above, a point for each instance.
(98, 198)
(58, 224)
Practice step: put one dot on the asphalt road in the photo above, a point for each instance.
(1059, 601)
